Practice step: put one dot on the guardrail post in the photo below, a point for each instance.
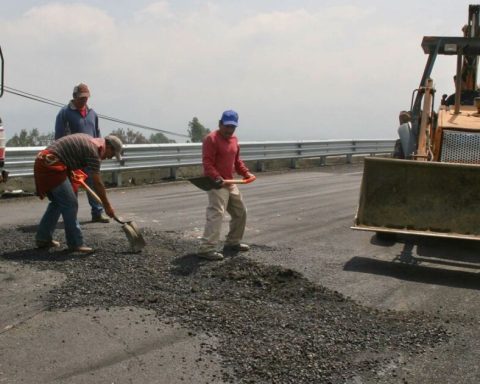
(173, 173)
(260, 166)
(117, 178)
(293, 161)
(349, 158)
(323, 161)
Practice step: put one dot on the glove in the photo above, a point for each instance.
(218, 183)
(75, 177)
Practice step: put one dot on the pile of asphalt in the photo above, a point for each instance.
(273, 325)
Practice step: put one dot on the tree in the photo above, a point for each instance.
(197, 131)
(130, 137)
(159, 137)
(30, 139)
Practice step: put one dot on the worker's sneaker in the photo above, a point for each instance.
(81, 249)
(100, 219)
(240, 247)
(211, 255)
(47, 243)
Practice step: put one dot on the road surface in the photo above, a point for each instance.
(305, 217)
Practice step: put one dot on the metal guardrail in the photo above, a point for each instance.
(19, 160)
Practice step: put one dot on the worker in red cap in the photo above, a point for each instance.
(78, 117)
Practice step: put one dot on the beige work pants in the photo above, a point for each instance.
(220, 200)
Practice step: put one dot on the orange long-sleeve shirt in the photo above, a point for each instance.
(221, 157)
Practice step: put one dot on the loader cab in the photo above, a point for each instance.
(467, 50)
(425, 119)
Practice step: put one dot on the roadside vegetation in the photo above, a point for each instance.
(34, 138)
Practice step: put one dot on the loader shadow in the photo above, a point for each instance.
(451, 251)
(449, 262)
(415, 273)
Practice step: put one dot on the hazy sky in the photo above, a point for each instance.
(293, 69)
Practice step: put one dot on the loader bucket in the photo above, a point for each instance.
(420, 198)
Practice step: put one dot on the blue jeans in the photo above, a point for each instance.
(63, 201)
(97, 209)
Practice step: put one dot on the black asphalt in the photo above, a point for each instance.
(312, 302)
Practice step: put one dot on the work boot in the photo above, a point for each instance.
(211, 255)
(240, 247)
(47, 243)
(81, 249)
(101, 218)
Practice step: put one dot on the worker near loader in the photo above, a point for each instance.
(54, 173)
(220, 158)
(466, 96)
(78, 117)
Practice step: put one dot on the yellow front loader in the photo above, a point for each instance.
(432, 185)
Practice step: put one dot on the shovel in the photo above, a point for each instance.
(135, 238)
(206, 183)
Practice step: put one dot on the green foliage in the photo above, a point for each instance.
(197, 131)
(130, 137)
(35, 139)
(30, 139)
(157, 138)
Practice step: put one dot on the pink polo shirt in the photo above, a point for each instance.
(221, 157)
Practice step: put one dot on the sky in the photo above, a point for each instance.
(292, 69)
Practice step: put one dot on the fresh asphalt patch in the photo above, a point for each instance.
(272, 324)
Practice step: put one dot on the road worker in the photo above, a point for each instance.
(78, 117)
(54, 172)
(220, 158)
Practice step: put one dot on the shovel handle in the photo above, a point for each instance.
(241, 181)
(96, 197)
(89, 190)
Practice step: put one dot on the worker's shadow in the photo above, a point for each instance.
(449, 262)
(190, 263)
(38, 255)
(33, 228)
(186, 265)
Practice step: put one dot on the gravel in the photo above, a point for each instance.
(274, 325)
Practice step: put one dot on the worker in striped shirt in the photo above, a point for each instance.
(54, 172)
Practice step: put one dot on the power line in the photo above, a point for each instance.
(44, 100)
(32, 97)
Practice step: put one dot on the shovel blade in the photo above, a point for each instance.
(203, 182)
(135, 238)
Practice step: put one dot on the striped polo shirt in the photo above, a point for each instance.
(77, 151)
